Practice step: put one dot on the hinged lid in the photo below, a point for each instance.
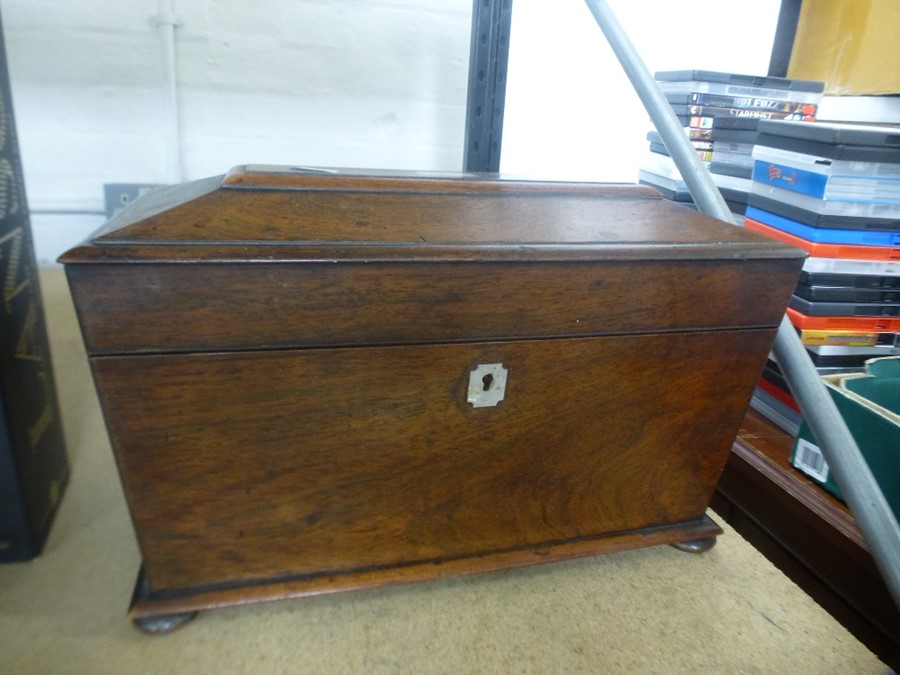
(270, 258)
(265, 213)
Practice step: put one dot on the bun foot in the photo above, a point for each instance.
(141, 601)
(695, 545)
(163, 624)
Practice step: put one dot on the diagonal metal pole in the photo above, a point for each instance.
(870, 509)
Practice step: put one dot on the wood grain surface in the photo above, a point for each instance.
(202, 307)
(326, 217)
(242, 467)
(283, 359)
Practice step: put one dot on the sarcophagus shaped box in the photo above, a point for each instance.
(319, 381)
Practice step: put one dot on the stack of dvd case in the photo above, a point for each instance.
(719, 112)
(834, 190)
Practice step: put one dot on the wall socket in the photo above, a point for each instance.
(117, 196)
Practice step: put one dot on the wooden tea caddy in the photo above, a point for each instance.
(317, 381)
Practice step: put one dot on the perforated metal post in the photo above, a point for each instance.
(870, 509)
(488, 60)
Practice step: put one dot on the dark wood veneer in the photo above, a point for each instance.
(283, 362)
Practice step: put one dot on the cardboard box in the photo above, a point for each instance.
(870, 404)
(851, 46)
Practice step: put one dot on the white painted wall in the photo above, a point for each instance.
(364, 83)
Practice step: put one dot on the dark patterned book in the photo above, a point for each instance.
(34, 467)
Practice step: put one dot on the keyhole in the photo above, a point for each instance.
(487, 381)
(487, 385)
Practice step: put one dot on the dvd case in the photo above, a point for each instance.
(836, 133)
(854, 357)
(733, 183)
(845, 294)
(833, 309)
(853, 280)
(845, 251)
(825, 235)
(729, 169)
(821, 185)
(748, 125)
(758, 113)
(732, 148)
(734, 84)
(877, 324)
(883, 210)
(672, 190)
(741, 102)
(821, 220)
(776, 411)
(736, 196)
(823, 165)
(845, 142)
(707, 103)
(699, 144)
(736, 136)
(856, 267)
(660, 149)
(845, 338)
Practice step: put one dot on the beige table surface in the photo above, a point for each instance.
(648, 611)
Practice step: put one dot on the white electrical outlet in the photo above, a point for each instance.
(117, 196)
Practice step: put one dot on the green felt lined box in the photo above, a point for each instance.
(870, 404)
